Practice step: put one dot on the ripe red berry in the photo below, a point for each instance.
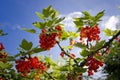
(58, 28)
(73, 55)
(62, 54)
(59, 31)
(25, 65)
(47, 41)
(93, 65)
(1, 46)
(90, 33)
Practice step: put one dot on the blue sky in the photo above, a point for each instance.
(16, 14)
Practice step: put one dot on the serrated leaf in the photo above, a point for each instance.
(47, 11)
(64, 35)
(5, 65)
(79, 45)
(99, 15)
(40, 16)
(73, 34)
(37, 50)
(55, 14)
(50, 61)
(10, 58)
(99, 58)
(63, 68)
(29, 30)
(59, 20)
(79, 23)
(39, 25)
(79, 59)
(84, 53)
(49, 23)
(109, 32)
(98, 45)
(86, 15)
(26, 45)
(80, 70)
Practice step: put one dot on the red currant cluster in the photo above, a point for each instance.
(25, 65)
(48, 41)
(93, 65)
(90, 33)
(3, 54)
(59, 29)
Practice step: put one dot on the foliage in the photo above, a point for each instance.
(112, 62)
(93, 50)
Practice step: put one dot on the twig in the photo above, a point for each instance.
(67, 53)
(49, 75)
(104, 46)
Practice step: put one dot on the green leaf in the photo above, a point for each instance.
(86, 15)
(84, 53)
(98, 45)
(64, 35)
(49, 23)
(37, 50)
(2, 33)
(39, 25)
(29, 30)
(79, 59)
(10, 58)
(79, 69)
(79, 45)
(55, 14)
(50, 61)
(26, 45)
(5, 65)
(63, 68)
(73, 34)
(78, 22)
(40, 16)
(109, 32)
(99, 58)
(59, 20)
(99, 15)
(47, 11)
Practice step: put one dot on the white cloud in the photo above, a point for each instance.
(68, 22)
(11, 26)
(111, 22)
(17, 26)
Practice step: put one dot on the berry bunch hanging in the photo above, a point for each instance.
(48, 39)
(91, 33)
(27, 64)
(93, 65)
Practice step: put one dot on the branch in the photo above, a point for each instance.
(49, 76)
(67, 53)
(104, 46)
